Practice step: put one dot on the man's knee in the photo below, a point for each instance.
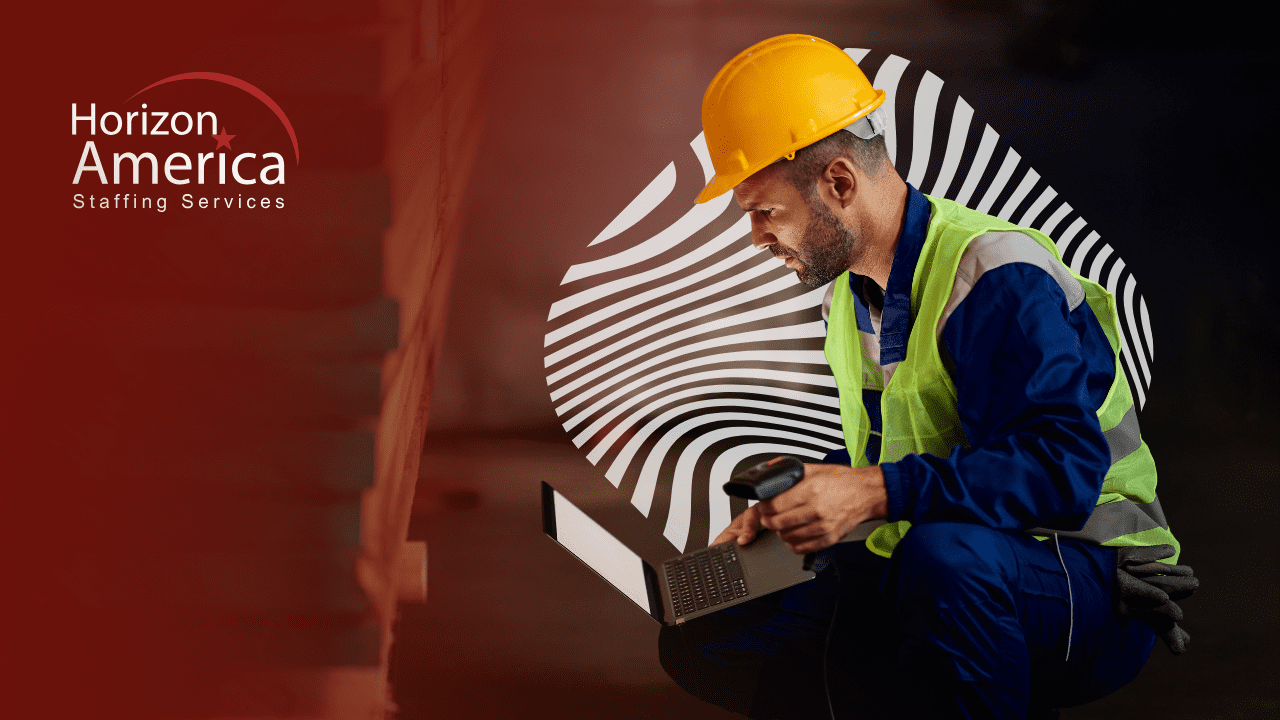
(679, 659)
(743, 676)
(704, 675)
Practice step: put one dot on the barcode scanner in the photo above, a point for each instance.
(766, 480)
(769, 479)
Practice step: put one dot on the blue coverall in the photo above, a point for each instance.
(970, 617)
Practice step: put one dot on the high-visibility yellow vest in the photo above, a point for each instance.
(918, 405)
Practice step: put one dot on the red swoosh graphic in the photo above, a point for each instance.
(236, 83)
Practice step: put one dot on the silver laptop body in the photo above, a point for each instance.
(683, 587)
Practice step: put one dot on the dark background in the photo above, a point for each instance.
(1155, 122)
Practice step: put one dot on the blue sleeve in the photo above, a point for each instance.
(839, 456)
(1029, 372)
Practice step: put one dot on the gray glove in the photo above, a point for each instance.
(1146, 590)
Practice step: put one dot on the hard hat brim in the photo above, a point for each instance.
(722, 183)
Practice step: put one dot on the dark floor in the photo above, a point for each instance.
(516, 627)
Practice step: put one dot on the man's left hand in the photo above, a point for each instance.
(830, 501)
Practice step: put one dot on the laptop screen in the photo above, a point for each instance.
(593, 545)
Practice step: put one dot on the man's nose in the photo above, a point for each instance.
(761, 238)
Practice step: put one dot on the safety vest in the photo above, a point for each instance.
(918, 405)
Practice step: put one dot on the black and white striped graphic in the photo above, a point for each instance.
(679, 354)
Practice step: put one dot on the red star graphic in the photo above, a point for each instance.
(224, 140)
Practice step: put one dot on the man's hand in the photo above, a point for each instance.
(743, 528)
(830, 501)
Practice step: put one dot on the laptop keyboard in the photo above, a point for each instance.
(705, 578)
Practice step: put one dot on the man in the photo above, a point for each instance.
(989, 431)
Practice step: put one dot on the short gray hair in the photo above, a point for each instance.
(810, 161)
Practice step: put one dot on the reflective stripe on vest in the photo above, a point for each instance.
(918, 404)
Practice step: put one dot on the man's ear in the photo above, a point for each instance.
(839, 182)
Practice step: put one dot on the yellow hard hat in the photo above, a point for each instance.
(776, 97)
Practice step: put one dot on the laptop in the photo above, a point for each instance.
(684, 587)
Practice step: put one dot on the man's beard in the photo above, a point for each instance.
(826, 249)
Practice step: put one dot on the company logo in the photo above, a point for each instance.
(133, 176)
